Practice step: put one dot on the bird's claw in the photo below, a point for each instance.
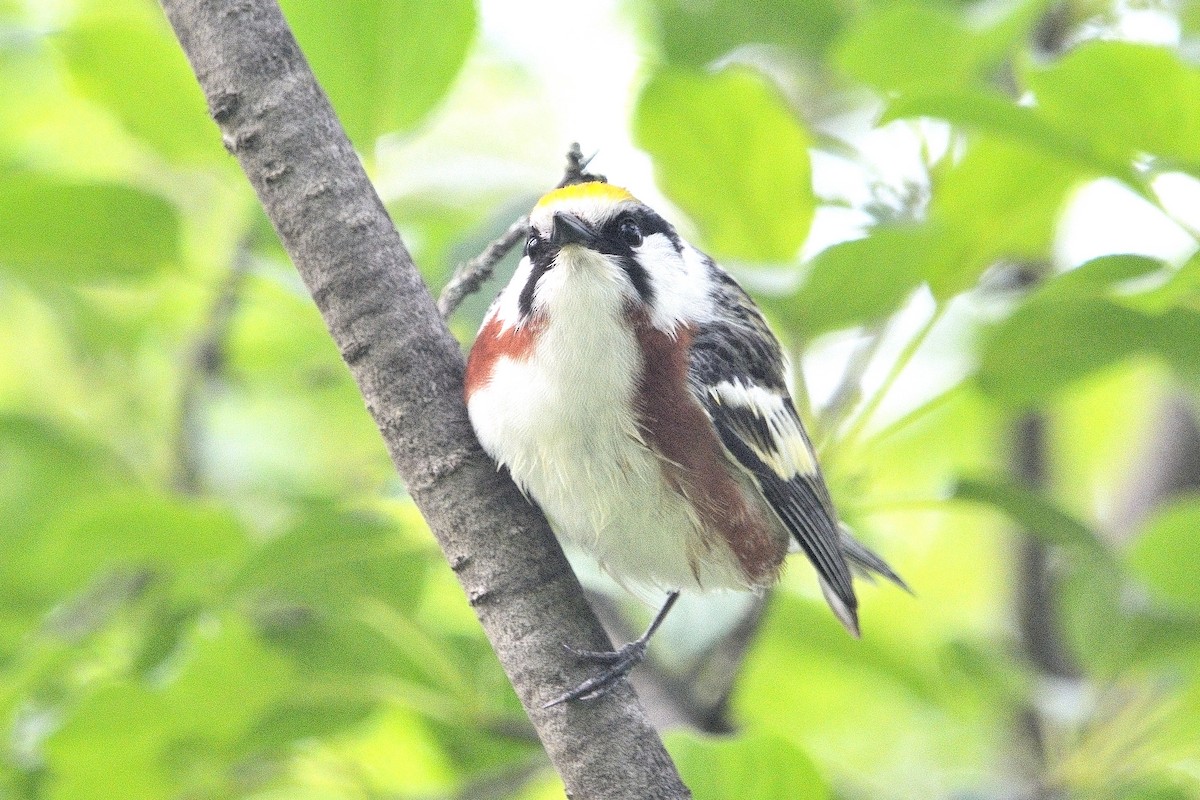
(619, 662)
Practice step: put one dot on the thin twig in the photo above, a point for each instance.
(859, 424)
(848, 392)
(204, 363)
(472, 274)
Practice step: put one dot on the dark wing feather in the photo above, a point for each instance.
(736, 372)
(799, 498)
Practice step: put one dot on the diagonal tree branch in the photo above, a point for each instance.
(279, 124)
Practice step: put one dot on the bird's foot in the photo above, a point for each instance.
(619, 663)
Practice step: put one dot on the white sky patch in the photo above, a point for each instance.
(588, 61)
(939, 364)
(1140, 22)
(1105, 217)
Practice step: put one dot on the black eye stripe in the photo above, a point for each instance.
(541, 257)
(639, 277)
(613, 243)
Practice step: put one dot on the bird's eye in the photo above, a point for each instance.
(533, 245)
(629, 232)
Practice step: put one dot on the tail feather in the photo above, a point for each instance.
(866, 563)
(847, 614)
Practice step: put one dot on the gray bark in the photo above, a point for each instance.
(279, 124)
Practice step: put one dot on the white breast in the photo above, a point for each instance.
(561, 421)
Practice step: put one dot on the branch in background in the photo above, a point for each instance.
(1036, 598)
(709, 684)
(1036, 605)
(1169, 467)
(275, 118)
(470, 275)
(204, 362)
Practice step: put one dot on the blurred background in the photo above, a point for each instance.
(973, 225)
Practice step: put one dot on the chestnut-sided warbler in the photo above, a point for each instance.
(633, 390)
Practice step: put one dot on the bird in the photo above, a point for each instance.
(634, 391)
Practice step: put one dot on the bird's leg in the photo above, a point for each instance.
(619, 662)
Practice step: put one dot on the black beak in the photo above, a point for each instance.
(568, 229)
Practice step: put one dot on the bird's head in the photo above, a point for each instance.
(602, 236)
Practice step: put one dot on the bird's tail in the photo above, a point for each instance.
(865, 562)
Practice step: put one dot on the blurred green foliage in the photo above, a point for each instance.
(213, 586)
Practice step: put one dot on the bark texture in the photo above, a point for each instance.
(278, 123)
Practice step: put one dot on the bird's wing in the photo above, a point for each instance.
(736, 373)
(762, 433)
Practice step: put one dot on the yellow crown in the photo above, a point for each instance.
(593, 190)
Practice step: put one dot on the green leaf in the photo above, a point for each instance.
(303, 718)
(905, 47)
(695, 35)
(1032, 512)
(329, 644)
(43, 469)
(1156, 791)
(132, 740)
(754, 764)
(230, 682)
(112, 747)
(1176, 338)
(1000, 117)
(859, 282)
(1123, 98)
(1053, 340)
(1162, 635)
(1180, 289)
(1093, 618)
(191, 540)
(1166, 555)
(730, 152)
(311, 590)
(132, 65)
(1044, 347)
(59, 231)
(336, 561)
(384, 63)
(1001, 679)
(811, 685)
(1100, 276)
(278, 336)
(1001, 201)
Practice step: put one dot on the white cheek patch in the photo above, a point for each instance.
(789, 454)
(680, 282)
